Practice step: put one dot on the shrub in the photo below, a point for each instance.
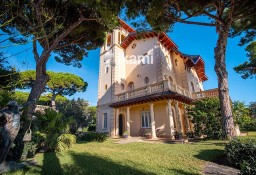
(251, 126)
(65, 141)
(101, 136)
(95, 136)
(92, 127)
(241, 152)
(190, 134)
(206, 118)
(52, 130)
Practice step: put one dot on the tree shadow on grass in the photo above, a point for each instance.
(215, 155)
(209, 154)
(51, 164)
(90, 164)
(82, 164)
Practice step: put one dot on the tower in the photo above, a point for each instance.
(111, 75)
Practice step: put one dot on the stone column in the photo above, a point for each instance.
(186, 118)
(170, 118)
(128, 120)
(117, 122)
(179, 127)
(153, 125)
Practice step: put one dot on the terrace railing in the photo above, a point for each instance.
(152, 89)
(161, 87)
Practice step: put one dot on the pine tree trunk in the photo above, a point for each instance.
(53, 104)
(222, 74)
(39, 86)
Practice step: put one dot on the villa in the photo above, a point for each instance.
(145, 84)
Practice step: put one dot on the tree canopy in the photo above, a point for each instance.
(78, 109)
(241, 115)
(45, 99)
(60, 83)
(252, 108)
(248, 68)
(67, 28)
(8, 75)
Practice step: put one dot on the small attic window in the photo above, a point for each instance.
(109, 40)
(176, 62)
(134, 45)
(122, 38)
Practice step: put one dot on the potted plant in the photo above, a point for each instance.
(126, 134)
(148, 134)
(177, 135)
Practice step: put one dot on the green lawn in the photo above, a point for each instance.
(133, 158)
(252, 133)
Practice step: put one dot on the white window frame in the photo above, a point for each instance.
(106, 69)
(105, 121)
(145, 119)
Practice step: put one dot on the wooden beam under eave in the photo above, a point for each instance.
(128, 39)
(152, 35)
(165, 39)
(133, 37)
(170, 44)
(160, 38)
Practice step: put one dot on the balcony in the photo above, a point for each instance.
(206, 94)
(152, 89)
(162, 87)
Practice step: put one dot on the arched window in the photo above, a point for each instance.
(130, 86)
(106, 87)
(176, 62)
(122, 86)
(146, 80)
(109, 40)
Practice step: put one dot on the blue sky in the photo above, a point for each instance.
(191, 39)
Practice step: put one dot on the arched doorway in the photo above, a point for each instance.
(120, 124)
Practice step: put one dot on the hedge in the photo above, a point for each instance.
(241, 152)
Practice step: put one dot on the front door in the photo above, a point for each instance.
(120, 123)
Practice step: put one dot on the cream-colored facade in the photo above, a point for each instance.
(145, 84)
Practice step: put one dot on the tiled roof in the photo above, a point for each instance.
(125, 26)
(192, 60)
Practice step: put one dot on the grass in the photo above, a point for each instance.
(133, 158)
(252, 133)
